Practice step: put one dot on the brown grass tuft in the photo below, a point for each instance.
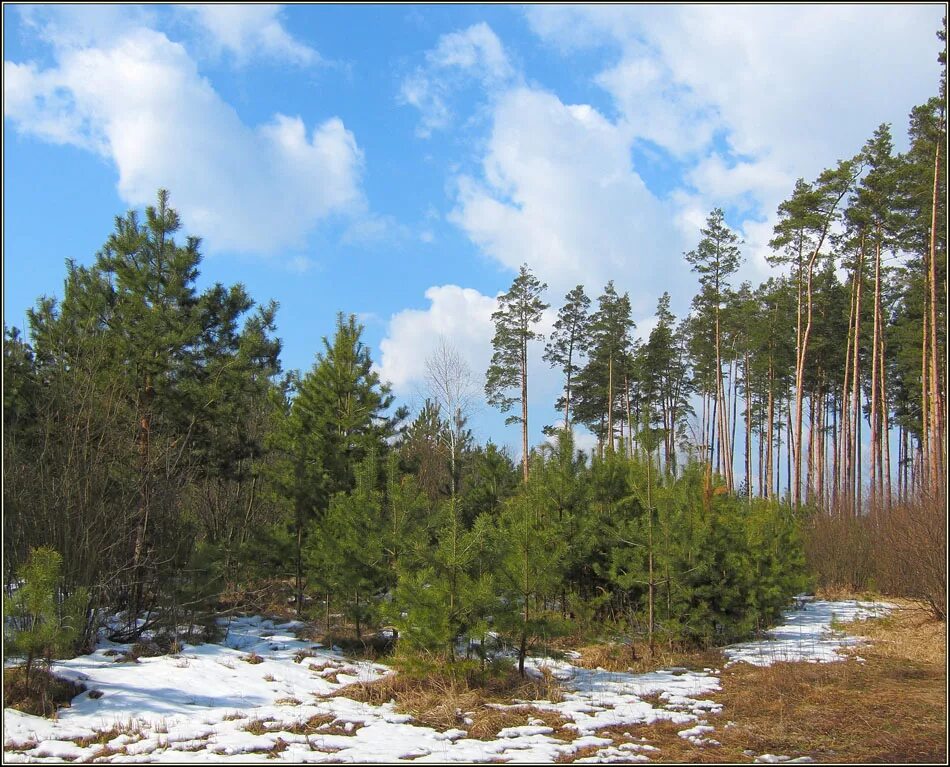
(444, 701)
(44, 695)
(612, 656)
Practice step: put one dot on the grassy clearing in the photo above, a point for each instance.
(891, 708)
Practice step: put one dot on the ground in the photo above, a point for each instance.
(805, 693)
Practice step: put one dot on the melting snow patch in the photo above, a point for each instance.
(806, 634)
(199, 706)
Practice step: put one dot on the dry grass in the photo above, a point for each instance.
(890, 708)
(908, 633)
(44, 695)
(320, 724)
(664, 736)
(253, 658)
(488, 721)
(612, 656)
(444, 702)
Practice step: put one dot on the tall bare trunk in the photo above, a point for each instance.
(770, 426)
(146, 397)
(524, 409)
(748, 426)
(874, 466)
(936, 415)
(610, 403)
(855, 447)
(734, 375)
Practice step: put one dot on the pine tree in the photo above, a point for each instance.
(805, 222)
(602, 385)
(335, 419)
(663, 371)
(569, 342)
(715, 259)
(518, 311)
(41, 622)
(530, 564)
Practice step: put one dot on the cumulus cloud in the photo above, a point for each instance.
(249, 31)
(140, 102)
(474, 54)
(461, 318)
(760, 95)
(558, 190)
(460, 315)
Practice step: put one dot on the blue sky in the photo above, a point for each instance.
(399, 162)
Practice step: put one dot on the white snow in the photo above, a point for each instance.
(806, 634)
(207, 703)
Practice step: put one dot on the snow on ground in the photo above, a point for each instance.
(208, 703)
(806, 634)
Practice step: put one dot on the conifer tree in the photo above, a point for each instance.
(805, 222)
(335, 419)
(531, 562)
(519, 310)
(569, 342)
(664, 377)
(601, 393)
(715, 259)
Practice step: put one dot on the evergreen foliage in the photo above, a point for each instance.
(41, 622)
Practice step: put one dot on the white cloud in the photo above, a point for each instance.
(656, 108)
(246, 31)
(300, 264)
(753, 97)
(559, 192)
(141, 103)
(475, 53)
(476, 49)
(77, 26)
(461, 315)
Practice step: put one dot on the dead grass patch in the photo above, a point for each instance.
(446, 702)
(613, 656)
(253, 658)
(890, 708)
(43, 695)
(909, 632)
(489, 721)
(259, 727)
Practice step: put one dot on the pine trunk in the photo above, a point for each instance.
(875, 361)
(524, 408)
(855, 447)
(936, 439)
(770, 426)
(748, 427)
(610, 404)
